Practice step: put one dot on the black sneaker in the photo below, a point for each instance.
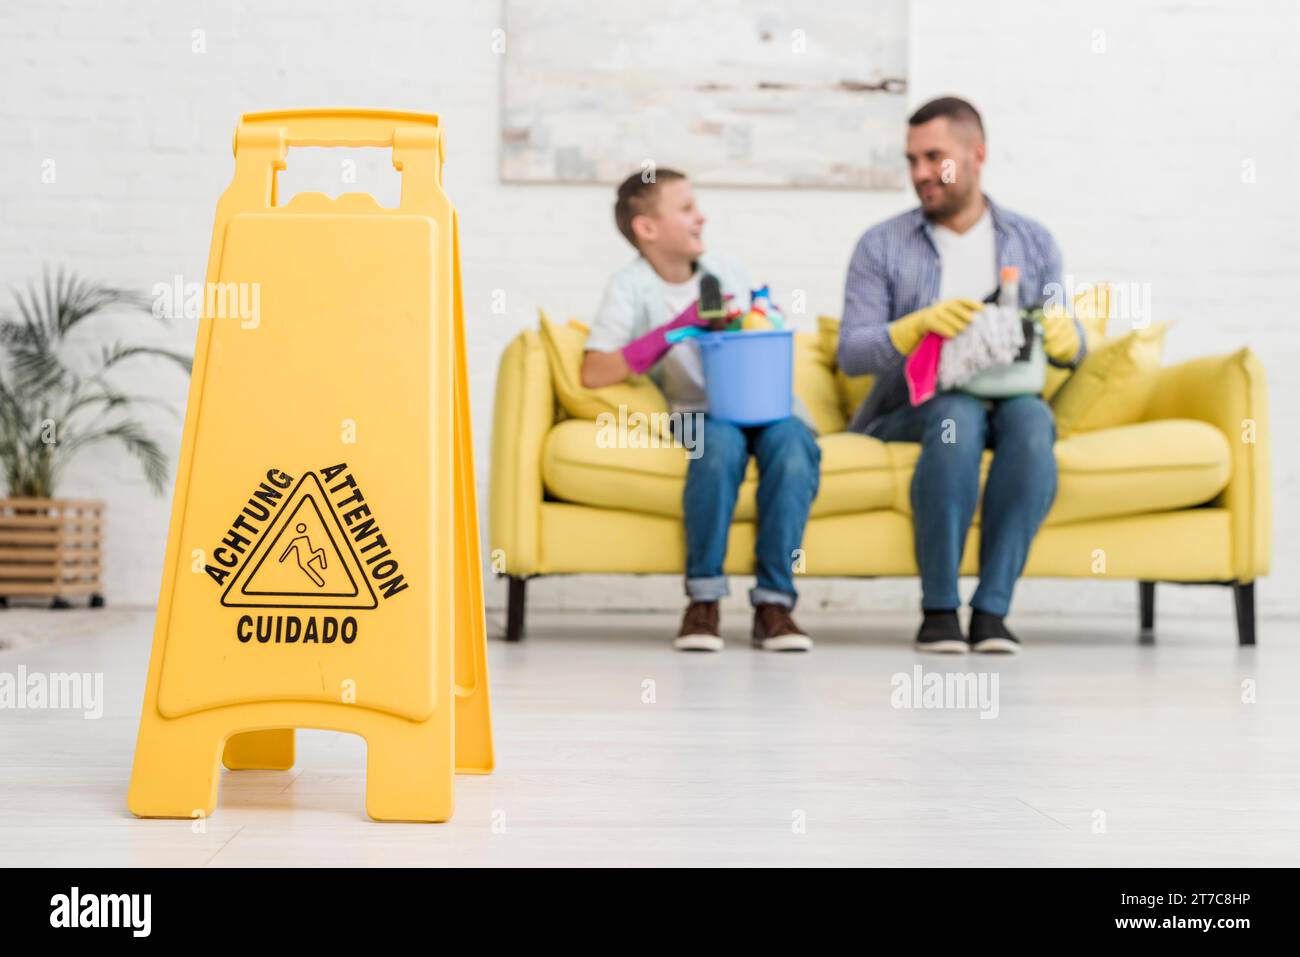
(940, 632)
(989, 634)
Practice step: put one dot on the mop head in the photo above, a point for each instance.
(994, 338)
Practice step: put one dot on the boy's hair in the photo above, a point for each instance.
(636, 197)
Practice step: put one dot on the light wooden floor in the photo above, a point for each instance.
(1152, 743)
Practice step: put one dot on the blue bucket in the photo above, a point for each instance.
(749, 376)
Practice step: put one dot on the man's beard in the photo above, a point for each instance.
(950, 203)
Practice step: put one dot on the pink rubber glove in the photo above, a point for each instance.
(644, 352)
(922, 368)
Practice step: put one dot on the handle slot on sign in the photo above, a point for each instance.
(262, 141)
(334, 171)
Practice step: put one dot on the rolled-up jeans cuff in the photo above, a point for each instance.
(766, 596)
(707, 589)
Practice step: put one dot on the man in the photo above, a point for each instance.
(629, 334)
(926, 271)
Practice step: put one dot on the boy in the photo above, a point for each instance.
(659, 291)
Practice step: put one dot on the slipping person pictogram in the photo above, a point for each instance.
(307, 558)
(317, 554)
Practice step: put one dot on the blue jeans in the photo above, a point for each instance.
(954, 429)
(789, 470)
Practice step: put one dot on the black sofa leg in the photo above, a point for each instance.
(1147, 603)
(1243, 594)
(515, 609)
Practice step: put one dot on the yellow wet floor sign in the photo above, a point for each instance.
(322, 566)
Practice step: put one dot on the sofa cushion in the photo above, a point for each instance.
(1127, 470)
(564, 346)
(579, 466)
(1092, 309)
(814, 384)
(851, 390)
(1112, 385)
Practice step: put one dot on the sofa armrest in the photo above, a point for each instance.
(1230, 393)
(522, 415)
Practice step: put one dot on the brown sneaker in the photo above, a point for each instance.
(699, 631)
(775, 630)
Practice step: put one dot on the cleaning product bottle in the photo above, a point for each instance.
(1009, 287)
(1009, 298)
(757, 318)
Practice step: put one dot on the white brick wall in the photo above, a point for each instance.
(1132, 154)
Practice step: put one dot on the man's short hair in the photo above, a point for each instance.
(636, 197)
(954, 108)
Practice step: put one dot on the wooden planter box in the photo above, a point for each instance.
(51, 548)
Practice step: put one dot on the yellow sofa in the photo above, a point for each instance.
(1180, 496)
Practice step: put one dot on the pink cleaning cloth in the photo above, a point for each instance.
(922, 368)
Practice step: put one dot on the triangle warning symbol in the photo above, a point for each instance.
(303, 560)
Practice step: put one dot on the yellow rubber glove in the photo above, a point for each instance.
(946, 318)
(1060, 335)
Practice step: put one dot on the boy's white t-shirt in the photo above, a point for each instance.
(681, 371)
(680, 295)
(968, 261)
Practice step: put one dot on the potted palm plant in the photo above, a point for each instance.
(60, 394)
